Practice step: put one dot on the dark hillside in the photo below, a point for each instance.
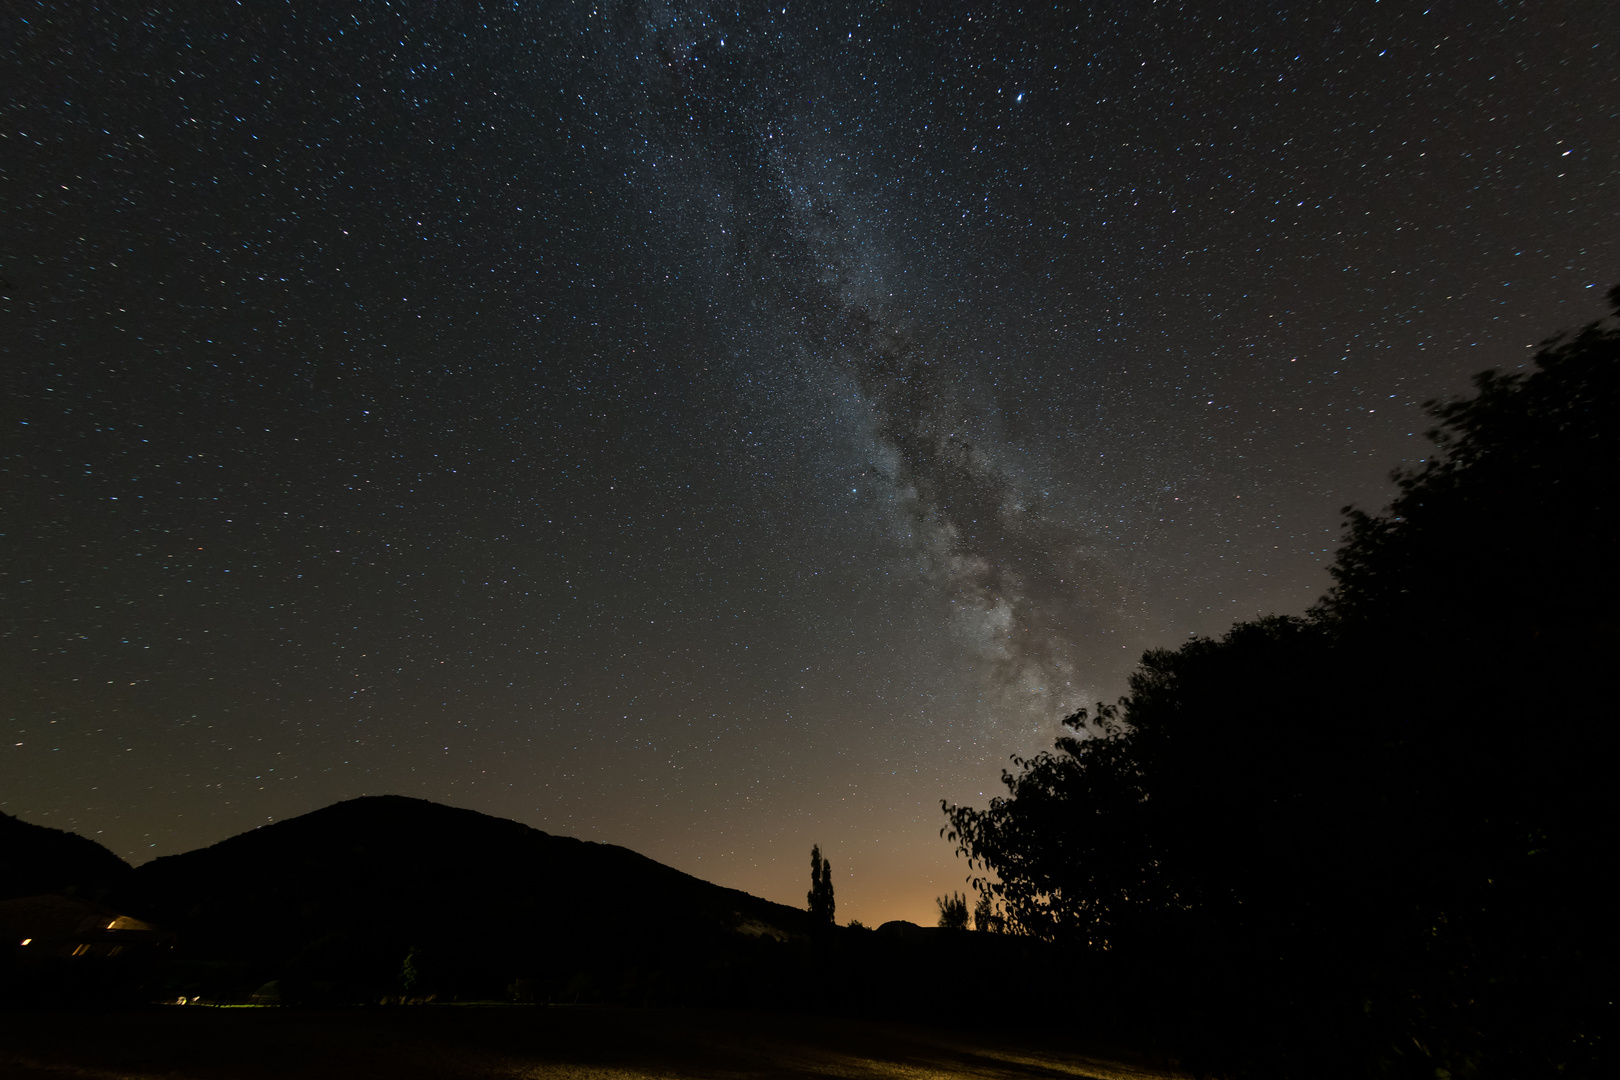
(36, 859)
(389, 898)
(331, 904)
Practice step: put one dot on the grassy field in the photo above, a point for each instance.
(462, 1043)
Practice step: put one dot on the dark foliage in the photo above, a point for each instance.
(1369, 841)
(987, 916)
(1511, 525)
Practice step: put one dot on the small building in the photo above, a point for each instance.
(52, 927)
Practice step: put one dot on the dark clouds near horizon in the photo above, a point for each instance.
(718, 428)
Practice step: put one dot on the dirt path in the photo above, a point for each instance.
(463, 1043)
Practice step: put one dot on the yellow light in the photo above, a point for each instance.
(25, 941)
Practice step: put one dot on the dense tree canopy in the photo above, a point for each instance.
(1369, 840)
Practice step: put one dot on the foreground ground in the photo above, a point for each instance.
(456, 1042)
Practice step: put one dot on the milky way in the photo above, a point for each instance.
(747, 108)
(719, 429)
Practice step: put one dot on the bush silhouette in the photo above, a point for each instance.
(953, 912)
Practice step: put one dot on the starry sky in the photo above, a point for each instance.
(720, 428)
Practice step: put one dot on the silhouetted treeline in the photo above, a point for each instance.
(1372, 840)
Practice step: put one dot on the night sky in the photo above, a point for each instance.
(718, 429)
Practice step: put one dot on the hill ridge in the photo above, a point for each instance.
(43, 859)
(344, 894)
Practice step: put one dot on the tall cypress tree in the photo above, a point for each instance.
(821, 887)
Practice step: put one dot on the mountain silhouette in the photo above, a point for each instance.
(389, 899)
(36, 859)
(391, 894)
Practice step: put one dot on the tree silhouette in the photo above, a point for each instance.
(1520, 497)
(821, 887)
(953, 911)
(410, 971)
(985, 915)
(1367, 841)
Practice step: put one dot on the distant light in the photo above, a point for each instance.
(25, 941)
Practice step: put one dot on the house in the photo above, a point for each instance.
(51, 927)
